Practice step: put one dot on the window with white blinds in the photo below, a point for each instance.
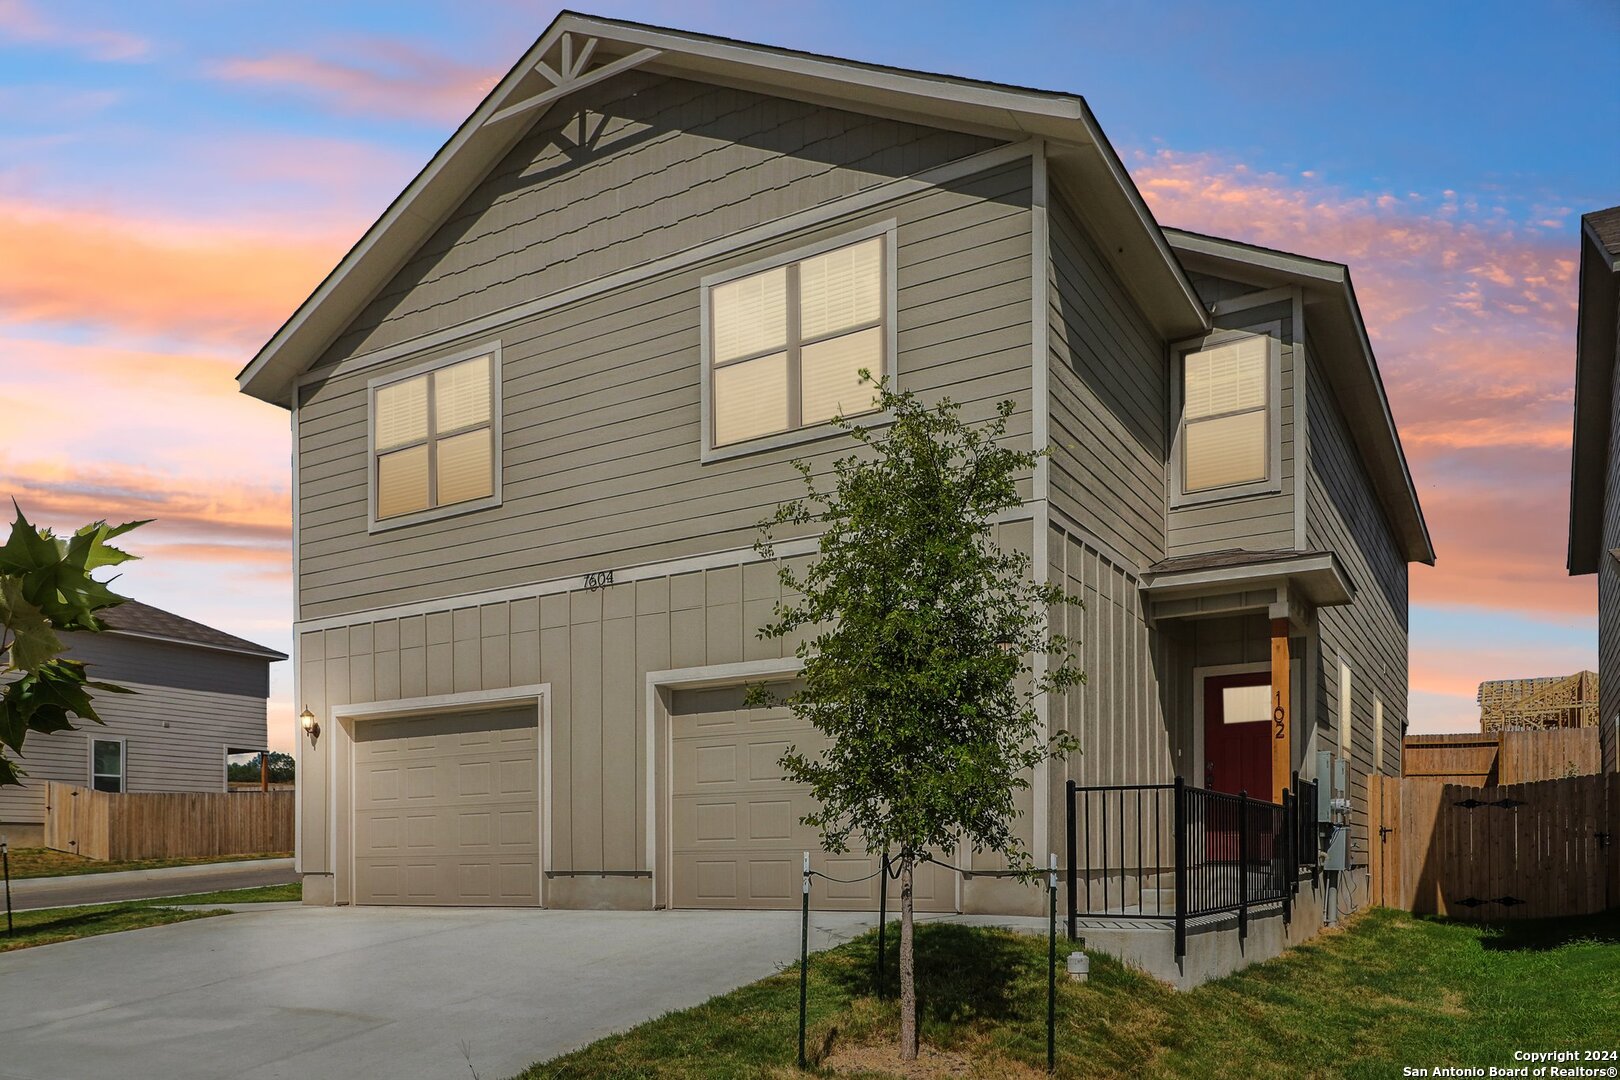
(1226, 418)
(787, 345)
(433, 439)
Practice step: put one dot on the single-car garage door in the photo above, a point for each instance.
(736, 836)
(447, 809)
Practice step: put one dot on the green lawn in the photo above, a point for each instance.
(1390, 990)
(45, 862)
(50, 925)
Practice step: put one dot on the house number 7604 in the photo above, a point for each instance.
(599, 579)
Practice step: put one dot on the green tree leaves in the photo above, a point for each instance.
(46, 587)
(919, 635)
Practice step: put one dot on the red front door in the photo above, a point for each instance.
(1237, 734)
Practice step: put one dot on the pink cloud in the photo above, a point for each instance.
(26, 24)
(377, 76)
(1472, 318)
(156, 275)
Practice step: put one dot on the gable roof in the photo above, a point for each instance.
(580, 50)
(1595, 344)
(135, 619)
(1350, 365)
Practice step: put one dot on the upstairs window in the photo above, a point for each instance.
(786, 344)
(1227, 444)
(434, 440)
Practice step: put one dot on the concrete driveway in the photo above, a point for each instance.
(373, 992)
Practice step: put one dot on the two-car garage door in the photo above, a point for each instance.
(447, 809)
(736, 836)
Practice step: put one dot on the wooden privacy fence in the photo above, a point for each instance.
(167, 825)
(1502, 757)
(1510, 851)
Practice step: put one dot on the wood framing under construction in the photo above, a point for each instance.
(1560, 701)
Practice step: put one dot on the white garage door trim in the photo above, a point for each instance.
(536, 694)
(660, 734)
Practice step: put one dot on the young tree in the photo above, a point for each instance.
(47, 587)
(918, 660)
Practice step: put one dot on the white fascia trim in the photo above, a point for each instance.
(1150, 224)
(1014, 103)
(688, 679)
(438, 703)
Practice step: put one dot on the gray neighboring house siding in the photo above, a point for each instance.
(1020, 274)
(190, 703)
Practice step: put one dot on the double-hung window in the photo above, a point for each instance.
(435, 440)
(1228, 423)
(107, 764)
(786, 344)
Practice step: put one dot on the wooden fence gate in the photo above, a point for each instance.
(167, 825)
(1514, 851)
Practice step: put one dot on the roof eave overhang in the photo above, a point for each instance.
(1595, 352)
(1353, 372)
(1319, 578)
(1081, 156)
(258, 652)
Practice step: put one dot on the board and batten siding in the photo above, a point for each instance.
(594, 649)
(601, 430)
(1108, 399)
(189, 705)
(1343, 515)
(1609, 593)
(629, 170)
(1254, 522)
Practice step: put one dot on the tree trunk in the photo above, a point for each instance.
(908, 974)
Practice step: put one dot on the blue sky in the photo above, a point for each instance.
(174, 177)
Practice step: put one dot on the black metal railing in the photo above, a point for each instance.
(1171, 851)
(1121, 850)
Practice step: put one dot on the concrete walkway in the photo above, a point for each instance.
(144, 884)
(373, 992)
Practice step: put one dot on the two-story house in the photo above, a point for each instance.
(198, 696)
(540, 408)
(1594, 486)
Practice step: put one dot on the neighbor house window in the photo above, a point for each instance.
(786, 344)
(107, 764)
(434, 439)
(1226, 422)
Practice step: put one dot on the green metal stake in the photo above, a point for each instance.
(804, 958)
(5, 857)
(1051, 972)
(883, 921)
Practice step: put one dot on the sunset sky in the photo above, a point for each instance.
(175, 178)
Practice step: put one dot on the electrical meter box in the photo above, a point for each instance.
(1325, 773)
(1338, 849)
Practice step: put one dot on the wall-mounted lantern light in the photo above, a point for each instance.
(312, 728)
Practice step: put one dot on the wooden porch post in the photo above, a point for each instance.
(1282, 709)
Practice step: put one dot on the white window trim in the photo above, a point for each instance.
(123, 761)
(1346, 712)
(886, 229)
(374, 524)
(1378, 732)
(1271, 484)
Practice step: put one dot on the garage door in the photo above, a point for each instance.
(736, 836)
(447, 809)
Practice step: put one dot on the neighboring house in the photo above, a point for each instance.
(541, 406)
(199, 695)
(1594, 486)
(1549, 701)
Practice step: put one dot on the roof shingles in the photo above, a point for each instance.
(143, 620)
